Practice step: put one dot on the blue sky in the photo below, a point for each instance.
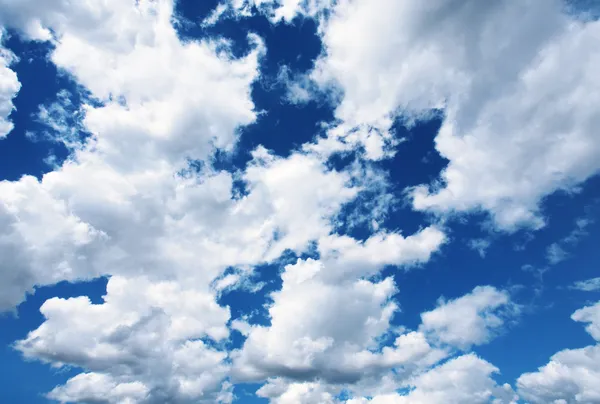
(299, 202)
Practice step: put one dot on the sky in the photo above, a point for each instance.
(299, 201)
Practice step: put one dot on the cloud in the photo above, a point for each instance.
(480, 245)
(555, 254)
(464, 379)
(590, 315)
(279, 392)
(472, 319)
(9, 87)
(327, 315)
(139, 201)
(144, 340)
(323, 330)
(332, 332)
(42, 241)
(572, 374)
(588, 285)
(131, 204)
(510, 137)
(280, 10)
(143, 132)
(98, 388)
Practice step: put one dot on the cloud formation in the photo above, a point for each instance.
(9, 87)
(571, 375)
(518, 115)
(143, 201)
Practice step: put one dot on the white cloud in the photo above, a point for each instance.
(480, 245)
(322, 336)
(9, 87)
(472, 319)
(315, 326)
(42, 242)
(579, 231)
(143, 340)
(198, 220)
(465, 379)
(326, 318)
(95, 21)
(128, 204)
(279, 392)
(98, 388)
(572, 375)
(588, 285)
(590, 315)
(347, 258)
(280, 10)
(555, 254)
(134, 218)
(518, 113)
(302, 193)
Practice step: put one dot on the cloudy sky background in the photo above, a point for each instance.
(298, 202)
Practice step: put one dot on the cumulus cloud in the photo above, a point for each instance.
(139, 201)
(128, 204)
(9, 87)
(329, 343)
(144, 132)
(325, 329)
(465, 379)
(572, 375)
(472, 319)
(42, 241)
(279, 392)
(98, 388)
(590, 315)
(279, 10)
(518, 121)
(142, 343)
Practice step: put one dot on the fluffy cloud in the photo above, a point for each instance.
(541, 135)
(590, 315)
(275, 10)
(9, 87)
(142, 343)
(279, 392)
(518, 113)
(98, 388)
(143, 134)
(322, 329)
(472, 319)
(42, 241)
(466, 379)
(140, 202)
(128, 204)
(572, 375)
(328, 333)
